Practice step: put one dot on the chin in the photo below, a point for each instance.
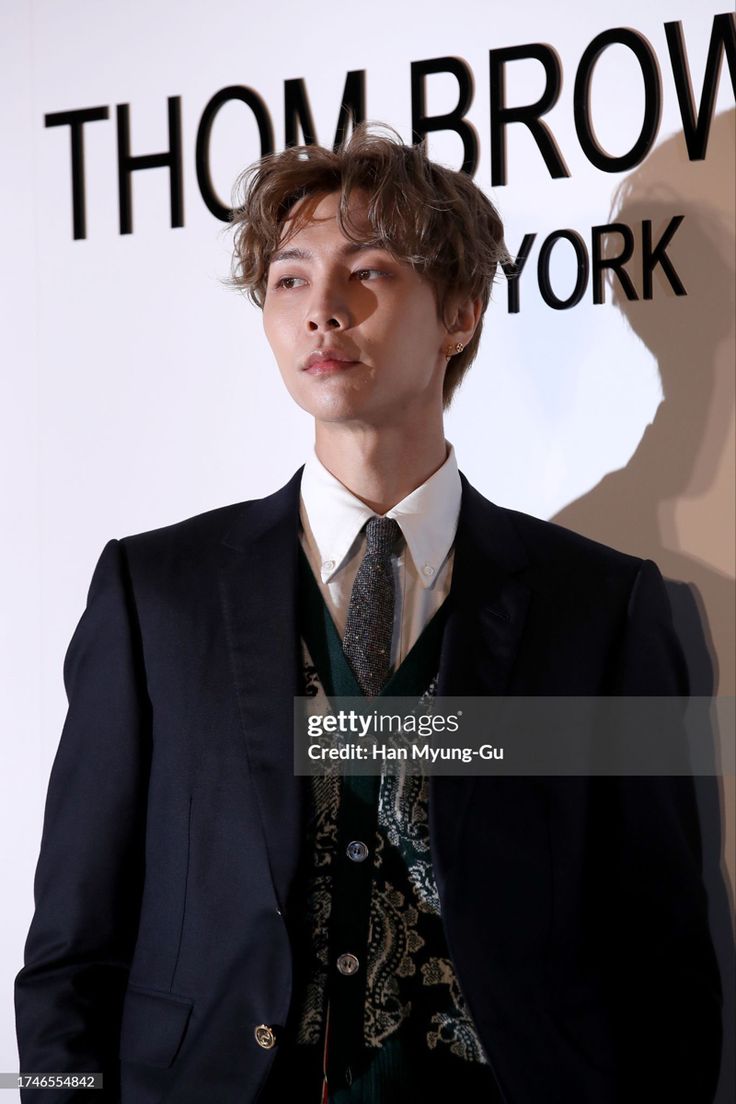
(337, 406)
(340, 413)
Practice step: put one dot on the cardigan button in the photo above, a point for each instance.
(357, 851)
(265, 1036)
(348, 964)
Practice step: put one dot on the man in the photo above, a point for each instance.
(231, 932)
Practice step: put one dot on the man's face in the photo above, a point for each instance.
(355, 332)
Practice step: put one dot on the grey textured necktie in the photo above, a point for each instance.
(370, 620)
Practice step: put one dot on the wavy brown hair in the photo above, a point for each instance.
(435, 219)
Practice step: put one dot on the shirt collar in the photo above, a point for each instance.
(427, 517)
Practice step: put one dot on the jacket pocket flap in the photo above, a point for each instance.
(153, 1027)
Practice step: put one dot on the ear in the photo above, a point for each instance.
(463, 317)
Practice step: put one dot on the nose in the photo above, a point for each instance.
(328, 308)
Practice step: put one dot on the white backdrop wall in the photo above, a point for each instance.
(138, 391)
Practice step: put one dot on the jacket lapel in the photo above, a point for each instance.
(486, 614)
(487, 601)
(259, 596)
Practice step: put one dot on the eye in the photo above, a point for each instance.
(368, 273)
(289, 282)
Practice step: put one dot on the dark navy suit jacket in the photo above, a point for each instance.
(574, 909)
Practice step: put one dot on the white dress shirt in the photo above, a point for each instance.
(332, 521)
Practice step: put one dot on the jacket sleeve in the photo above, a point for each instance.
(89, 876)
(667, 981)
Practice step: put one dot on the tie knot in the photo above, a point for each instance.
(381, 534)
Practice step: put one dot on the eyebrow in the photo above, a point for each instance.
(294, 254)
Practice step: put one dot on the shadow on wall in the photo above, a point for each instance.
(674, 501)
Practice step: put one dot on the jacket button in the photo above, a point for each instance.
(265, 1036)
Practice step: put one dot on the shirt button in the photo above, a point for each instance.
(428, 570)
(357, 851)
(348, 964)
(328, 565)
(265, 1036)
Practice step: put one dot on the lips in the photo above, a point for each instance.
(326, 360)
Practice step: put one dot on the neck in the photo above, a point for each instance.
(381, 466)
